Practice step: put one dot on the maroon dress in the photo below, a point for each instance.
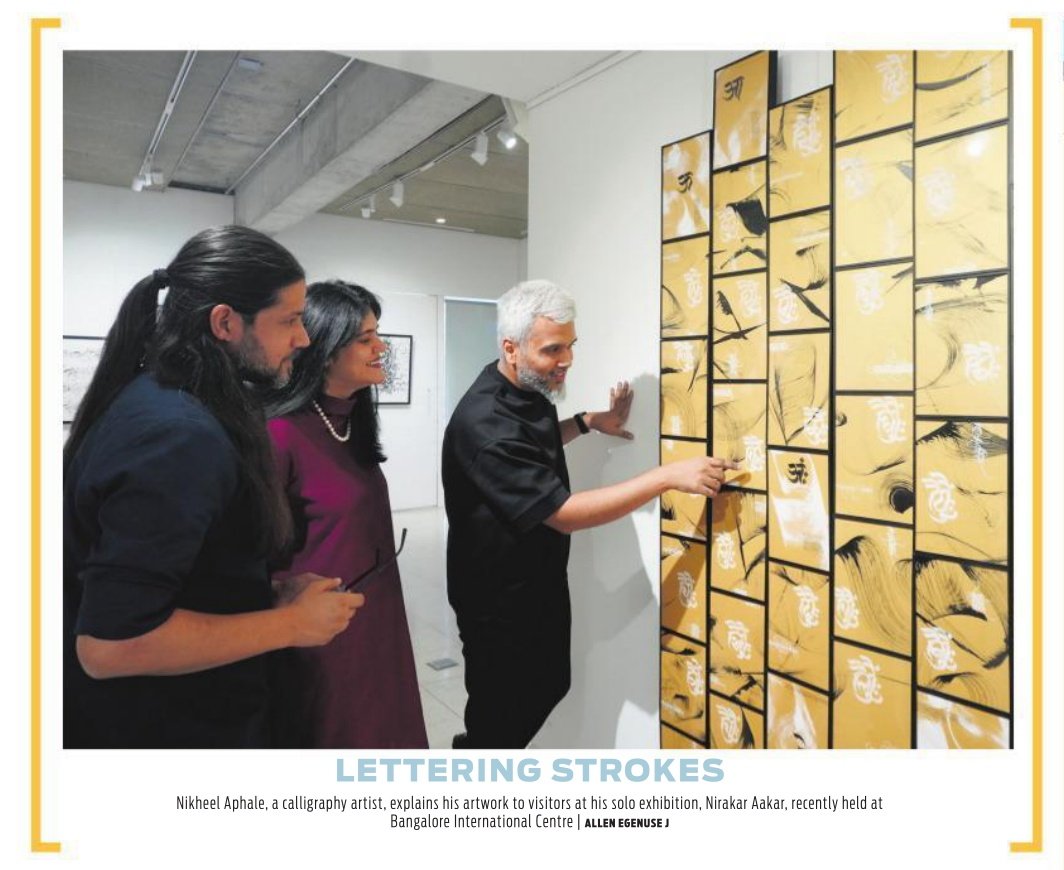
(360, 689)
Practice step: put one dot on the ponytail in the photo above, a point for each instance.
(124, 352)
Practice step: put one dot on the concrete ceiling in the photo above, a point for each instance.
(386, 115)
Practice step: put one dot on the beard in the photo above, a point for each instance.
(253, 368)
(531, 380)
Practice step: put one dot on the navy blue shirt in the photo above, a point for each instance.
(154, 519)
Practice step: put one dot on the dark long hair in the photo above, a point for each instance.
(230, 265)
(333, 317)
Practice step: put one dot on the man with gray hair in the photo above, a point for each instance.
(511, 511)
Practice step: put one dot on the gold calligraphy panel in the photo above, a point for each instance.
(873, 700)
(799, 369)
(962, 197)
(798, 508)
(799, 154)
(682, 513)
(739, 431)
(683, 685)
(874, 335)
(962, 504)
(798, 624)
(737, 543)
(874, 457)
(944, 724)
(685, 288)
(683, 587)
(797, 716)
(740, 328)
(737, 643)
(873, 92)
(874, 199)
(873, 585)
(962, 340)
(685, 187)
(962, 630)
(732, 726)
(740, 109)
(956, 90)
(740, 221)
(799, 272)
(684, 381)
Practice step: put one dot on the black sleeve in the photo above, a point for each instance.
(155, 499)
(518, 482)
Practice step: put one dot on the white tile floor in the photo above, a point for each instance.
(433, 631)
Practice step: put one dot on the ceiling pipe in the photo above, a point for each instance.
(202, 121)
(295, 121)
(145, 172)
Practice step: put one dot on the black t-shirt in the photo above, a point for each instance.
(154, 519)
(504, 473)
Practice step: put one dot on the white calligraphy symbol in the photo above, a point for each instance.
(786, 305)
(728, 226)
(808, 608)
(890, 424)
(695, 679)
(892, 78)
(980, 361)
(693, 279)
(733, 364)
(755, 453)
(938, 648)
(856, 177)
(869, 292)
(687, 590)
(738, 639)
(807, 137)
(725, 550)
(815, 425)
(730, 724)
(940, 502)
(865, 680)
(939, 188)
(750, 297)
(847, 613)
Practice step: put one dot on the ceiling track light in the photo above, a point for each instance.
(480, 150)
(507, 136)
(398, 191)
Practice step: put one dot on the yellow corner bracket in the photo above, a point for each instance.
(1035, 843)
(37, 25)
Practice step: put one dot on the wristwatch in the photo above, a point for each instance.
(580, 424)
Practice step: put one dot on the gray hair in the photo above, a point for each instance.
(519, 307)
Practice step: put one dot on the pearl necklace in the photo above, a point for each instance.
(329, 426)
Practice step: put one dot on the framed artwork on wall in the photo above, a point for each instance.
(398, 361)
(742, 93)
(81, 355)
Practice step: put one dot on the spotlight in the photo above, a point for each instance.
(507, 136)
(156, 178)
(441, 220)
(366, 211)
(480, 150)
(397, 194)
(138, 184)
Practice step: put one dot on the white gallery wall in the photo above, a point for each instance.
(113, 237)
(594, 226)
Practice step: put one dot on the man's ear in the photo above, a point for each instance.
(226, 323)
(509, 351)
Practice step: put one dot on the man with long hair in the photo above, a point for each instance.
(172, 508)
(511, 512)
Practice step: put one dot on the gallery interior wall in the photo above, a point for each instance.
(113, 237)
(593, 227)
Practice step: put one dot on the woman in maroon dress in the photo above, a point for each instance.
(360, 690)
